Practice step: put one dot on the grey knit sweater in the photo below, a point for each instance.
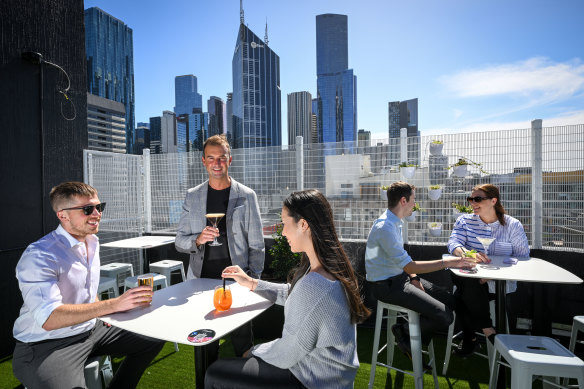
(319, 342)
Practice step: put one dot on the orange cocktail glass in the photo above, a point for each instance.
(222, 298)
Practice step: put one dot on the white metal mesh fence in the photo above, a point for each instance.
(350, 175)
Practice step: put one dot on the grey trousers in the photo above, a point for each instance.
(435, 305)
(59, 363)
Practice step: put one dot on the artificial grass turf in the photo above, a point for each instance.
(172, 369)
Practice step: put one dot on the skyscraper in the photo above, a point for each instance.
(336, 83)
(299, 116)
(163, 133)
(364, 138)
(109, 49)
(256, 92)
(404, 114)
(217, 115)
(186, 97)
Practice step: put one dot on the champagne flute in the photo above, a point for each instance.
(486, 242)
(215, 218)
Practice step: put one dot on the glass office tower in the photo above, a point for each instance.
(256, 99)
(110, 63)
(186, 98)
(336, 83)
(404, 114)
(217, 115)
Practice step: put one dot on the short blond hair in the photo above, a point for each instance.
(65, 191)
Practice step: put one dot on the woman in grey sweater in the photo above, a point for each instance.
(322, 305)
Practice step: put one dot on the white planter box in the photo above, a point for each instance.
(408, 172)
(456, 214)
(434, 194)
(435, 231)
(383, 194)
(436, 148)
(412, 217)
(460, 170)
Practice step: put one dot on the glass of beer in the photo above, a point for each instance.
(215, 218)
(147, 279)
(222, 298)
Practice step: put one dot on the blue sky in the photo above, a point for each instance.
(474, 65)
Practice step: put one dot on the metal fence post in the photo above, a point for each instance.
(403, 141)
(536, 184)
(300, 163)
(403, 138)
(147, 190)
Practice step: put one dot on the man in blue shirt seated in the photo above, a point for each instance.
(58, 275)
(393, 274)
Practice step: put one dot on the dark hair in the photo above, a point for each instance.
(217, 140)
(396, 191)
(313, 207)
(492, 192)
(66, 190)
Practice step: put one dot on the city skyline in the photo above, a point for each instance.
(488, 66)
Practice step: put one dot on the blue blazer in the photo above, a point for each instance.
(244, 229)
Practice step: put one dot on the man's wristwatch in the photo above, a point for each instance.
(415, 278)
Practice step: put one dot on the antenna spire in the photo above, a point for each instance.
(241, 18)
(266, 36)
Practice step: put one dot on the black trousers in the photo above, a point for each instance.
(472, 305)
(249, 373)
(434, 305)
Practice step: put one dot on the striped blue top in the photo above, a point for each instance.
(510, 239)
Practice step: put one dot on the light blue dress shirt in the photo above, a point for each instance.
(385, 255)
(55, 270)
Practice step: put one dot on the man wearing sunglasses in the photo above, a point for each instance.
(58, 275)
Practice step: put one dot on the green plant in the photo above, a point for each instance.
(384, 187)
(417, 208)
(434, 187)
(437, 142)
(464, 161)
(405, 164)
(434, 225)
(283, 259)
(462, 208)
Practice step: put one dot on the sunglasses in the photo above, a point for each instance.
(476, 199)
(88, 209)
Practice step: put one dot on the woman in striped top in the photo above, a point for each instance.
(488, 220)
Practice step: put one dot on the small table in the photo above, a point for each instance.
(182, 308)
(527, 270)
(142, 242)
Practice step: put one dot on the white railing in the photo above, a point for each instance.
(540, 172)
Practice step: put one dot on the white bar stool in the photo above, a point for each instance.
(577, 326)
(119, 271)
(531, 356)
(168, 266)
(159, 281)
(451, 336)
(98, 372)
(109, 285)
(413, 318)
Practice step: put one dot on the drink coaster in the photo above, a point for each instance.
(201, 336)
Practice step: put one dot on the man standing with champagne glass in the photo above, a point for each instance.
(238, 234)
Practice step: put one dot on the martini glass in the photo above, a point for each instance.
(486, 242)
(215, 218)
